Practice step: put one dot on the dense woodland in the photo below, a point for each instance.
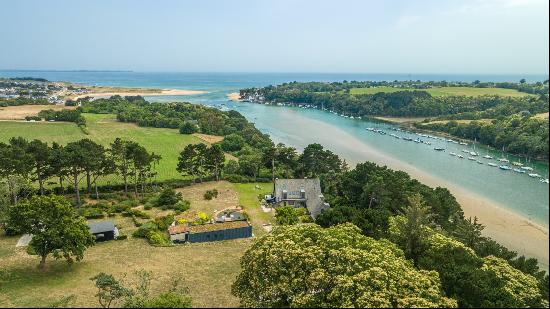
(522, 135)
(414, 236)
(512, 127)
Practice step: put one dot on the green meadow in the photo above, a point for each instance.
(103, 129)
(446, 91)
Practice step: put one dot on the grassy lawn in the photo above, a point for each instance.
(207, 269)
(104, 129)
(447, 91)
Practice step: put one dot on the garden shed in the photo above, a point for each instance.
(103, 230)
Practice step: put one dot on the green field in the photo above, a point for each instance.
(104, 129)
(447, 91)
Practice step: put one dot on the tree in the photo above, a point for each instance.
(215, 159)
(15, 165)
(109, 289)
(104, 165)
(232, 142)
(76, 162)
(412, 234)
(193, 161)
(55, 228)
(309, 266)
(188, 128)
(286, 215)
(505, 287)
(140, 165)
(120, 155)
(40, 153)
(57, 163)
(316, 162)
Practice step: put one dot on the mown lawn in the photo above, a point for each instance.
(104, 129)
(207, 269)
(447, 91)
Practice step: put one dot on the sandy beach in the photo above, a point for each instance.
(108, 92)
(506, 227)
(234, 96)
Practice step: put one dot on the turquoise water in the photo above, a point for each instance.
(346, 137)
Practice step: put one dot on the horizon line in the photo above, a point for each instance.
(271, 72)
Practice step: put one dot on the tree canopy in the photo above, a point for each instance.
(308, 266)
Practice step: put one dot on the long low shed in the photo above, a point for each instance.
(219, 231)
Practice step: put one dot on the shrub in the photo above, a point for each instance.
(209, 194)
(163, 223)
(286, 215)
(202, 218)
(122, 237)
(158, 238)
(168, 197)
(169, 300)
(91, 213)
(182, 206)
(145, 229)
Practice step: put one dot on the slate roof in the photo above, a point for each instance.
(312, 187)
(101, 227)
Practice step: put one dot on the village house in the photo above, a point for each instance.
(304, 193)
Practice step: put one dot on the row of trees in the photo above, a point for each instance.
(22, 161)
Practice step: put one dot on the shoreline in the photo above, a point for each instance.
(505, 226)
(99, 92)
(234, 96)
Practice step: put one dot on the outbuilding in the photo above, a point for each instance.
(103, 230)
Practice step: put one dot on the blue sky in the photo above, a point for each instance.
(432, 36)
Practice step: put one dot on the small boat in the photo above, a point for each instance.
(471, 158)
(465, 151)
(492, 164)
(527, 168)
(517, 164)
(544, 180)
(439, 149)
(504, 160)
(488, 157)
(473, 153)
(427, 143)
(460, 156)
(517, 170)
(453, 154)
(417, 141)
(479, 162)
(463, 144)
(408, 139)
(534, 175)
(505, 167)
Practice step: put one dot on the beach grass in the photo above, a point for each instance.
(446, 91)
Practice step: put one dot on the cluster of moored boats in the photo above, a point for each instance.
(503, 164)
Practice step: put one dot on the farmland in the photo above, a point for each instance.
(103, 129)
(446, 91)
